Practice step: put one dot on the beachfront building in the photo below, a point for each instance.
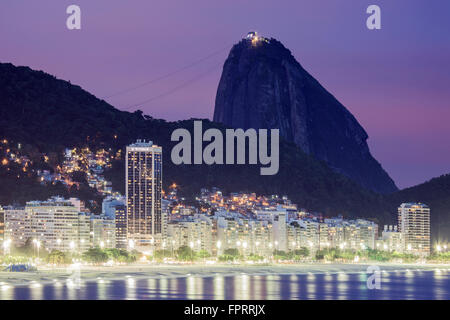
(84, 230)
(195, 233)
(391, 239)
(16, 225)
(56, 224)
(103, 232)
(248, 236)
(5, 243)
(120, 214)
(143, 172)
(2, 223)
(165, 214)
(110, 203)
(279, 231)
(414, 224)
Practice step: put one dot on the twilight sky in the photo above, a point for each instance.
(396, 81)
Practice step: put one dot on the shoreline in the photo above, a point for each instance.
(60, 275)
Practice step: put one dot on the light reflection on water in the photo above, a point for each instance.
(410, 284)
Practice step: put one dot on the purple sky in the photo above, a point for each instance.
(396, 81)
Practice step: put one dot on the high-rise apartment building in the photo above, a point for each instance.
(120, 213)
(143, 193)
(103, 232)
(16, 225)
(414, 224)
(2, 223)
(57, 224)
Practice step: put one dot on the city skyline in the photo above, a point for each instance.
(259, 227)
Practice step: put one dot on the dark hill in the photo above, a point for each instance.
(263, 86)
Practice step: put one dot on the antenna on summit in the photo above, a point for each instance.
(255, 38)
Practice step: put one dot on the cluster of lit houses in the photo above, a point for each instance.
(146, 219)
(90, 163)
(9, 156)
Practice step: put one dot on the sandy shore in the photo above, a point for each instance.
(46, 275)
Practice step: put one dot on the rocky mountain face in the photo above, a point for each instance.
(263, 86)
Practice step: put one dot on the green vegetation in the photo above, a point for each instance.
(58, 257)
(254, 257)
(6, 260)
(203, 254)
(340, 255)
(295, 255)
(97, 255)
(159, 255)
(335, 254)
(185, 253)
(229, 255)
(440, 257)
(227, 258)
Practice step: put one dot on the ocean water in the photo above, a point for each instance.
(395, 285)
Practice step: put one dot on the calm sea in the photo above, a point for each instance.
(394, 285)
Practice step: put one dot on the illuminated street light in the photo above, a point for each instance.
(37, 244)
(191, 244)
(6, 245)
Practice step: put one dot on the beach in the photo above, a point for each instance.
(86, 273)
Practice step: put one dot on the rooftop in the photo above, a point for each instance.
(413, 205)
(141, 143)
